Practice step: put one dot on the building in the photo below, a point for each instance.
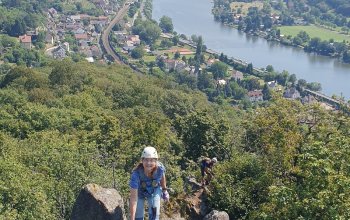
(65, 45)
(96, 52)
(210, 62)
(26, 41)
(81, 36)
(133, 40)
(221, 82)
(291, 93)
(59, 53)
(236, 75)
(53, 12)
(308, 99)
(75, 17)
(49, 38)
(79, 31)
(272, 84)
(255, 96)
(177, 65)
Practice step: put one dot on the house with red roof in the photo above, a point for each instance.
(255, 96)
(83, 36)
(26, 41)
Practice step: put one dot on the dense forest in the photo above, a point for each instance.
(339, 6)
(68, 124)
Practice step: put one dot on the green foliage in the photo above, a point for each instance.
(69, 122)
(240, 185)
(202, 135)
(66, 124)
(138, 52)
(219, 70)
(22, 56)
(166, 24)
(148, 31)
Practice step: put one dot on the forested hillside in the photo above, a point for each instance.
(68, 124)
(340, 6)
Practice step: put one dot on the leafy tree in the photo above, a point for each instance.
(249, 68)
(166, 24)
(138, 52)
(346, 56)
(301, 83)
(199, 50)
(250, 83)
(282, 78)
(269, 68)
(292, 79)
(248, 180)
(132, 10)
(219, 70)
(177, 55)
(314, 86)
(297, 40)
(202, 135)
(7, 41)
(18, 28)
(266, 92)
(237, 91)
(148, 31)
(175, 40)
(166, 43)
(303, 36)
(205, 81)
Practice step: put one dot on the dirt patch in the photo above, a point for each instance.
(182, 51)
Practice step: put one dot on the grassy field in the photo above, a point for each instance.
(314, 31)
(149, 58)
(86, 5)
(244, 6)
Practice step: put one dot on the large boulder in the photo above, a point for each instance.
(97, 203)
(216, 215)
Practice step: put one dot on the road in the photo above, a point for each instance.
(105, 34)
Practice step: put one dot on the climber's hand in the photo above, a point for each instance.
(165, 195)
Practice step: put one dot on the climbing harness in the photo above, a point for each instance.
(149, 186)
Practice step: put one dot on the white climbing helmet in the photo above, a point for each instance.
(149, 152)
(215, 160)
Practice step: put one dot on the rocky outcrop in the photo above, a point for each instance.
(196, 207)
(97, 203)
(196, 200)
(216, 215)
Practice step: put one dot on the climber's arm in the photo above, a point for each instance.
(163, 182)
(133, 203)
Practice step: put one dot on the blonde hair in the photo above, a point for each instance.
(140, 165)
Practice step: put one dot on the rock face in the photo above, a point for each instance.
(97, 203)
(216, 215)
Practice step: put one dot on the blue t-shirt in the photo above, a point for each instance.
(135, 180)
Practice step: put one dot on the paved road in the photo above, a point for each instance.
(105, 34)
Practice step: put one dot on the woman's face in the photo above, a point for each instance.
(149, 164)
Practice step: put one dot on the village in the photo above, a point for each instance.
(67, 34)
(81, 34)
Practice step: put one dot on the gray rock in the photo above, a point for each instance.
(216, 215)
(97, 203)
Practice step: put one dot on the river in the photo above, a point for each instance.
(194, 17)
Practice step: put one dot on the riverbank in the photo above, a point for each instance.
(332, 74)
(271, 26)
